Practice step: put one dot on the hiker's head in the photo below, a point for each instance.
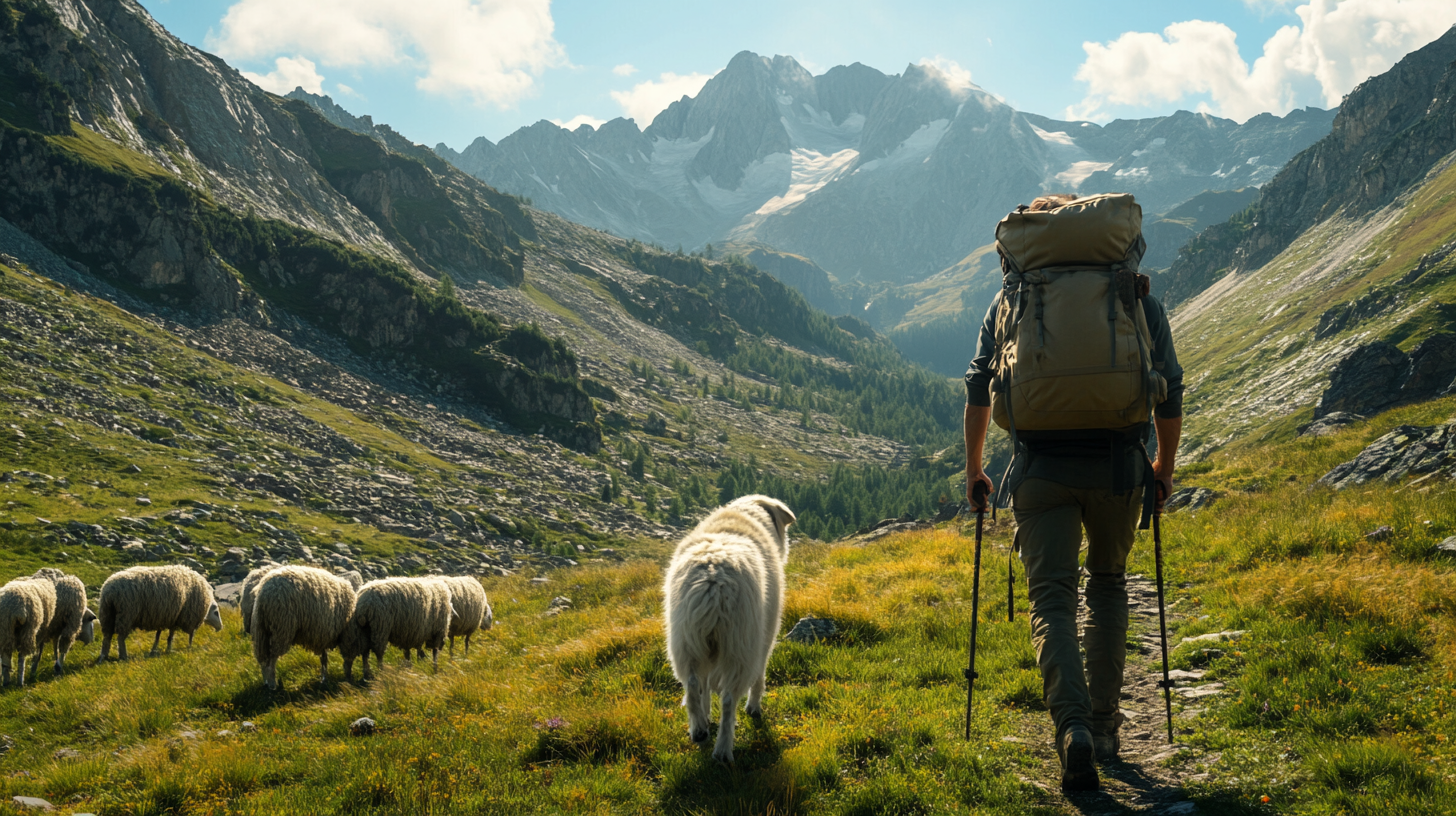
(1051, 201)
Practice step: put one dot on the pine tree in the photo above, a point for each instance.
(445, 288)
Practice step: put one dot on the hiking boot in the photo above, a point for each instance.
(1106, 746)
(1075, 749)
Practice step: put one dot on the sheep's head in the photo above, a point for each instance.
(88, 626)
(214, 617)
(489, 620)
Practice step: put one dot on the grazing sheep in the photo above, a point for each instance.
(72, 621)
(402, 612)
(26, 608)
(299, 606)
(153, 599)
(723, 604)
(472, 610)
(249, 592)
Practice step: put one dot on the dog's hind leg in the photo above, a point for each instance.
(697, 701)
(755, 697)
(723, 748)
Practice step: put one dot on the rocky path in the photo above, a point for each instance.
(1151, 774)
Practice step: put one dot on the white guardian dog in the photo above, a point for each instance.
(724, 600)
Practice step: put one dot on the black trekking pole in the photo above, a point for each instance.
(1162, 615)
(978, 495)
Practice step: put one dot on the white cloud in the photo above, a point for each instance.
(579, 120)
(348, 91)
(647, 99)
(289, 73)
(489, 50)
(625, 69)
(1339, 44)
(955, 76)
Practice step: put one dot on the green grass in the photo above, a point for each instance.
(1338, 699)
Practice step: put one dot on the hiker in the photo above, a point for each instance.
(1077, 464)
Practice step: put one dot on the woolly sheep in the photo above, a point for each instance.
(26, 608)
(472, 610)
(72, 621)
(249, 592)
(153, 599)
(299, 606)
(403, 612)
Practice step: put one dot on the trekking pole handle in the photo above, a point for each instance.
(979, 491)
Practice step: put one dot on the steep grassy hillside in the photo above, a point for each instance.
(1256, 344)
(1335, 697)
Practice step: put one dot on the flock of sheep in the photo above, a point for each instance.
(282, 607)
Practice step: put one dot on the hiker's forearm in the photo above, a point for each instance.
(978, 417)
(1170, 432)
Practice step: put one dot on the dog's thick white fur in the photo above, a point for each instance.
(724, 601)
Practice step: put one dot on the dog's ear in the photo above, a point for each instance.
(781, 513)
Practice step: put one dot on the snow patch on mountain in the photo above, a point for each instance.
(916, 148)
(810, 170)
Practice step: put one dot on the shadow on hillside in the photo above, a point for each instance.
(256, 699)
(752, 785)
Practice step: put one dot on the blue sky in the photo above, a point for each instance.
(452, 70)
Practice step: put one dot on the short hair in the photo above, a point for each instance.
(1051, 201)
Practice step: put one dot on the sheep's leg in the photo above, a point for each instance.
(61, 653)
(270, 674)
(467, 646)
(723, 748)
(5, 669)
(435, 658)
(452, 647)
(755, 698)
(349, 667)
(697, 712)
(324, 667)
(157, 643)
(172, 633)
(189, 640)
(121, 646)
(105, 649)
(20, 675)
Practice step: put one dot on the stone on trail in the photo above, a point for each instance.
(1189, 498)
(32, 802)
(558, 605)
(1179, 674)
(1197, 692)
(361, 727)
(1381, 533)
(810, 629)
(1215, 637)
(1448, 545)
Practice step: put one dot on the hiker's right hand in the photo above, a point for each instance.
(983, 502)
(1163, 479)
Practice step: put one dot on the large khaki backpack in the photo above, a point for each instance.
(1073, 350)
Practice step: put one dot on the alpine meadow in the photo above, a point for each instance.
(267, 362)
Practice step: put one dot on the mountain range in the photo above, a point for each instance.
(879, 180)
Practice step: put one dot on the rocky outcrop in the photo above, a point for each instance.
(1378, 375)
(1407, 451)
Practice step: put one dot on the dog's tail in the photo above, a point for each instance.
(717, 621)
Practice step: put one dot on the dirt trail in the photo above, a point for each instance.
(1144, 780)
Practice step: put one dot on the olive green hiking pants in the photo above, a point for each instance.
(1050, 519)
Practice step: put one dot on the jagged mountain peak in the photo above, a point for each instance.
(872, 176)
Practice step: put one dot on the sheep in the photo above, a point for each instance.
(73, 619)
(26, 608)
(472, 609)
(154, 598)
(249, 592)
(299, 606)
(403, 612)
(723, 601)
